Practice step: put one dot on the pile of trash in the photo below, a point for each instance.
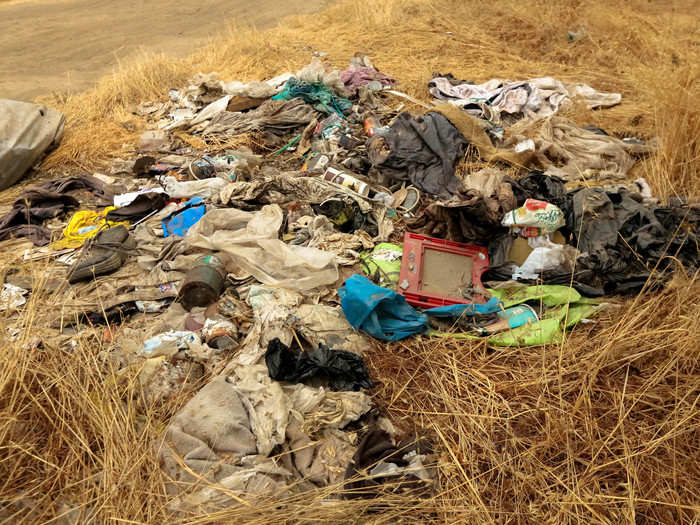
(268, 273)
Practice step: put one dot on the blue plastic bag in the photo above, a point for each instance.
(380, 312)
(458, 310)
(181, 220)
(385, 314)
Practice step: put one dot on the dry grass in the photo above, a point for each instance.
(601, 429)
(648, 52)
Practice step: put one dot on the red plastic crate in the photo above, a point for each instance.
(435, 272)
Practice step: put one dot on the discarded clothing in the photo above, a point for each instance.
(84, 225)
(565, 150)
(251, 242)
(30, 210)
(323, 236)
(471, 217)
(98, 188)
(623, 242)
(317, 94)
(361, 72)
(344, 370)
(180, 221)
(227, 431)
(278, 116)
(140, 207)
(535, 99)
(537, 185)
(26, 132)
(294, 188)
(423, 150)
(47, 201)
(380, 312)
(379, 459)
(473, 131)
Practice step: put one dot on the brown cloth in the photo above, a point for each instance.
(472, 129)
(381, 465)
(46, 201)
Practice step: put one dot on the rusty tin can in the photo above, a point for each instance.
(203, 283)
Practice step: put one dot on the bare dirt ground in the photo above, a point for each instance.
(51, 46)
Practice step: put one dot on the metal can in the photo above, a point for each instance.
(203, 283)
(343, 179)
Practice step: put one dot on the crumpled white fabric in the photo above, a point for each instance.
(226, 432)
(535, 99)
(250, 240)
(566, 150)
(347, 247)
(278, 313)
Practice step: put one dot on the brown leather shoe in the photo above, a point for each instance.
(106, 253)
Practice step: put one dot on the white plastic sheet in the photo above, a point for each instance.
(251, 241)
(26, 132)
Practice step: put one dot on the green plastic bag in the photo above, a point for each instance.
(548, 294)
(565, 308)
(383, 264)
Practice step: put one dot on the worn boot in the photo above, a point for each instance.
(106, 253)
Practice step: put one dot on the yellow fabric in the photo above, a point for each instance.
(84, 225)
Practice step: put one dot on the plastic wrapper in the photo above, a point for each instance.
(534, 218)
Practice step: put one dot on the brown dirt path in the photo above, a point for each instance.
(66, 45)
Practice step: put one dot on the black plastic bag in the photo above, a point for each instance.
(344, 370)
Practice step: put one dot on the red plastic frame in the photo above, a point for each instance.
(410, 278)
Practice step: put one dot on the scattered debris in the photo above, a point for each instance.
(221, 266)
